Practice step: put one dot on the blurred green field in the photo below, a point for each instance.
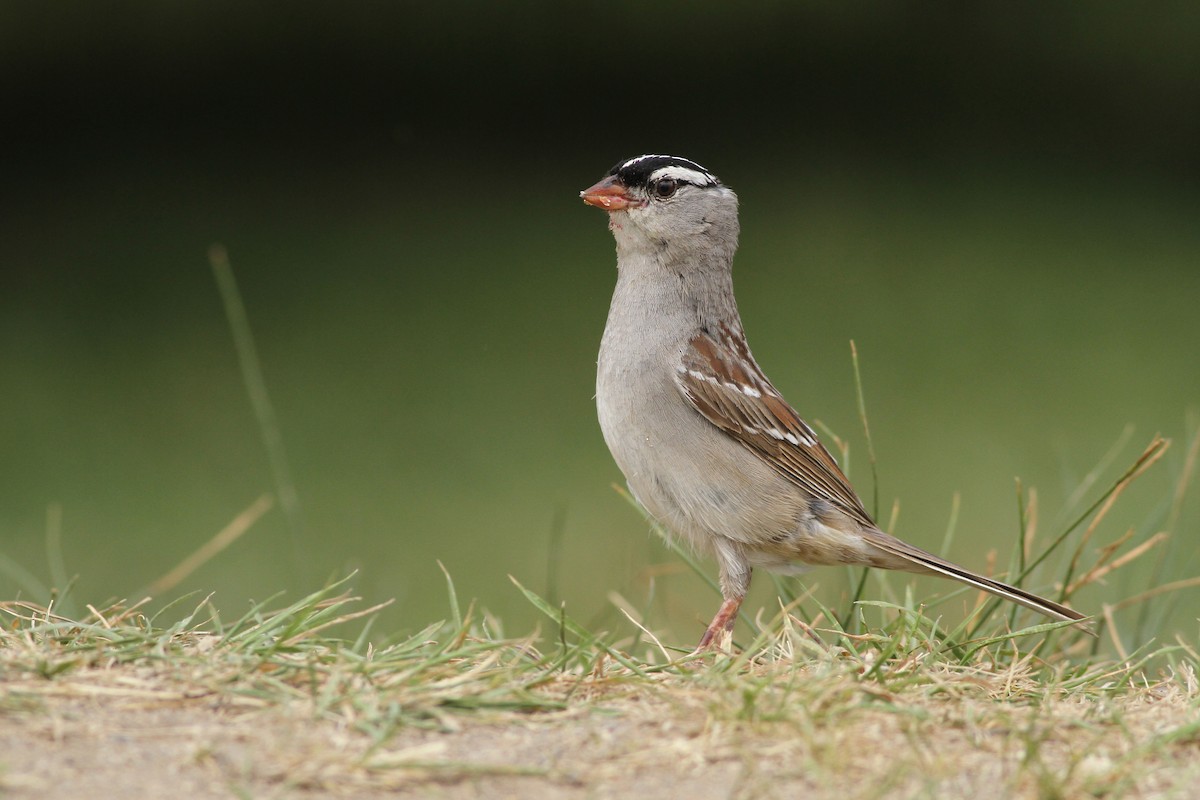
(429, 342)
(997, 203)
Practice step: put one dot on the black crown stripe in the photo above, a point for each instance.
(637, 171)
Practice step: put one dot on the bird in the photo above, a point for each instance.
(707, 444)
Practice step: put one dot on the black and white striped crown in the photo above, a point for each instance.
(644, 170)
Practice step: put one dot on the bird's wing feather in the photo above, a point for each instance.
(720, 380)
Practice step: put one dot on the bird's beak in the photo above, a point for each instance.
(610, 195)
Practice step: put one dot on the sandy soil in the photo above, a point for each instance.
(77, 739)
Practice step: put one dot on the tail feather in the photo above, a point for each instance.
(927, 562)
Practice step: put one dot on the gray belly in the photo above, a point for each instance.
(693, 478)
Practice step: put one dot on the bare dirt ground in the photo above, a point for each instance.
(113, 734)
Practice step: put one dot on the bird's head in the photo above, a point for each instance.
(660, 202)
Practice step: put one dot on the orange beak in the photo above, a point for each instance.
(610, 195)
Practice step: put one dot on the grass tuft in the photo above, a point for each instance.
(900, 696)
(800, 692)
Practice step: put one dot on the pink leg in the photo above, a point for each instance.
(721, 623)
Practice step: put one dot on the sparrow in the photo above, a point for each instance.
(707, 444)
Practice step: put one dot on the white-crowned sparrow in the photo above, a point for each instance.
(707, 445)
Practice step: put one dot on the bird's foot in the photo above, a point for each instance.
(719, 635)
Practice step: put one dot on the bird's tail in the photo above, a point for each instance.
(922, 561)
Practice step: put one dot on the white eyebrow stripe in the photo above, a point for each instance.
(633, 161)
(648, 156)
(682, 174)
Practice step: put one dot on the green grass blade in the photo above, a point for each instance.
(260, 399)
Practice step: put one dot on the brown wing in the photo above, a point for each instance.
(720, 379)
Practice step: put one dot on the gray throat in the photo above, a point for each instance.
(664, 297)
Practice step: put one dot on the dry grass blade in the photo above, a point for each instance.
(657, 643)
(225, 537)
(1184, 480)
(1030, 519)
(1153, 452)
(1157, 591)
(1100, 569)
(1107, 611)
(339, 620)
(1107, 460)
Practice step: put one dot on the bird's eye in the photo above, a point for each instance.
(665, 187)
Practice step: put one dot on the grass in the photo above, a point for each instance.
(892, 711)
(890, 697)
(900, 703)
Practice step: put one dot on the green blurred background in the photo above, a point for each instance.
(997, 201)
